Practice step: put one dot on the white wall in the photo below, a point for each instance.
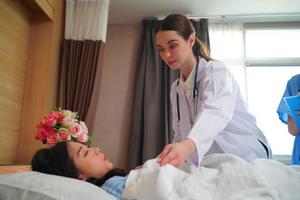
(113, 115)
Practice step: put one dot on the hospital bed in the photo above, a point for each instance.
(18, 182)
(220, 176)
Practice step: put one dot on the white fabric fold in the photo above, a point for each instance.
(220, 177)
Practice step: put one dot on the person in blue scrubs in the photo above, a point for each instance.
(292, 89)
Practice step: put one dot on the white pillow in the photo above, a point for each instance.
(34, 185)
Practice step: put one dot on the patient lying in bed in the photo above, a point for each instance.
(75, 160)
(219, 176)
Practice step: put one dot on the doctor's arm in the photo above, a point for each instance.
(220, 96)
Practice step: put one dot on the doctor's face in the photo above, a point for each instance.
(89, 161)
(174, 50)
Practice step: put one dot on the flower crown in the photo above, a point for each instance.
(61, 125)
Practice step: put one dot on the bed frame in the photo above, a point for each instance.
(5, 169)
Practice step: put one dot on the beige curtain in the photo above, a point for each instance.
(86, 19)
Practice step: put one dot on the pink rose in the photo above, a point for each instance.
(67, 122)
(83, 137)
(63, 134)
(51, 139)
(75, 130)
(83, 127)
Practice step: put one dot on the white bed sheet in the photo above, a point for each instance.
(220, 177)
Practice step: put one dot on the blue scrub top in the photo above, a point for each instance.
(292, 88)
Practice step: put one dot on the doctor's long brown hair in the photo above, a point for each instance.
(182, 25)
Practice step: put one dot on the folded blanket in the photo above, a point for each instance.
(220, 177)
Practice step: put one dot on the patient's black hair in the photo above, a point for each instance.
(56, 161)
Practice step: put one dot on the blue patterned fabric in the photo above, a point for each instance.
(292, 88)
(115, 186)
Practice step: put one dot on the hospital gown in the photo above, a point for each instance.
(115, 186)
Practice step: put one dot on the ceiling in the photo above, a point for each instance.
(133, 11)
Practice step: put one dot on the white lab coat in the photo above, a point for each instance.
(223, 123)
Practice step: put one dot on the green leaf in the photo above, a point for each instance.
(56, 125)
(90, 140)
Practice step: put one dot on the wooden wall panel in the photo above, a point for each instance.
(29, 55)
(46, 7)
(14, 46)
(41, 78)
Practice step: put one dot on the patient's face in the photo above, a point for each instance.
(89, 160)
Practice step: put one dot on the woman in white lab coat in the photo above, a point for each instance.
(209, 113)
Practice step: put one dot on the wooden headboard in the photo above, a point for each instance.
(5, 169)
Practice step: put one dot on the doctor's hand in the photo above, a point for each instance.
(175, 154)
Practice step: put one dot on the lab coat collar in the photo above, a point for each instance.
(202, 63)
(189, 82)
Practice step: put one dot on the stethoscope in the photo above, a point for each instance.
(195, 95)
